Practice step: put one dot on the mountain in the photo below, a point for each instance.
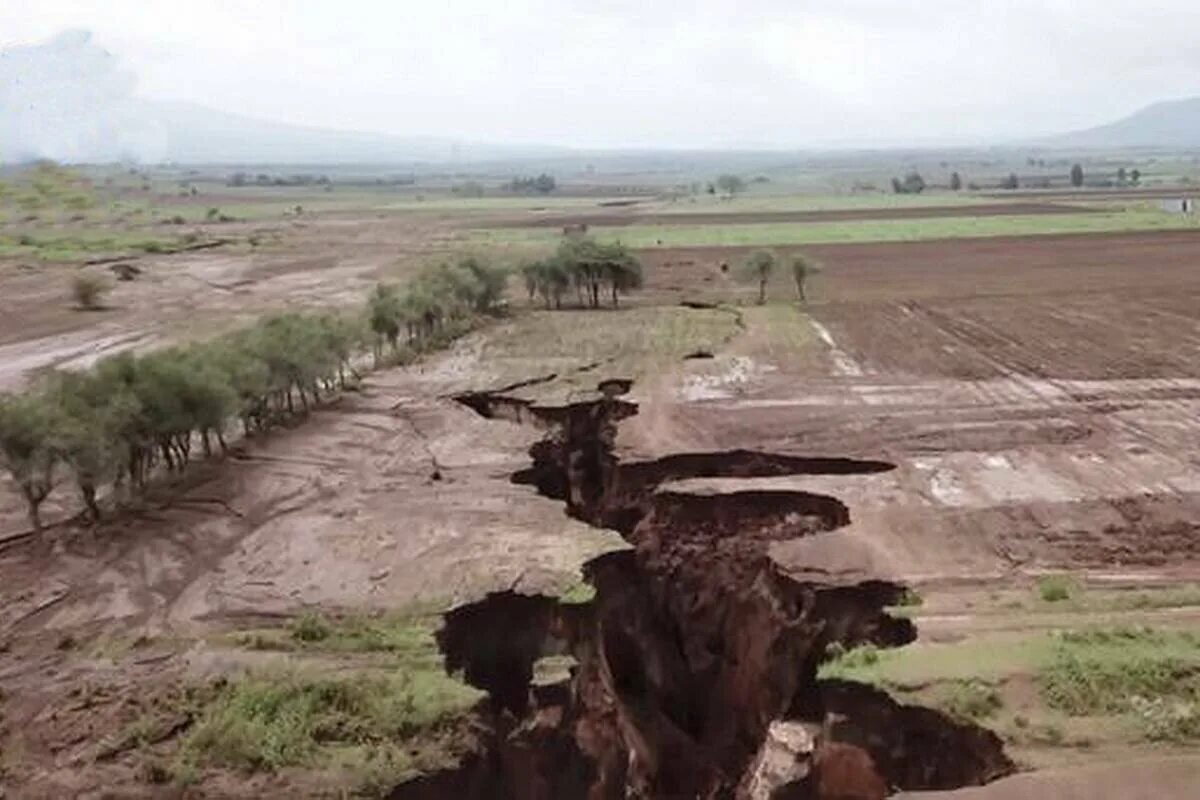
(68, 99)
(195, 134)
(1173, 123)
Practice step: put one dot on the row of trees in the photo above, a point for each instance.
(540, 184)
(586, 265)
(434, 307)
(114, 426)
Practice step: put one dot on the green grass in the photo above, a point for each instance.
(629, 342)
(549, 203)
(1098, 671)
(271, 720)
(407, 638)
(369, 724)
(757, 203)
(903, 230)
(1131, 684)
(79, 245)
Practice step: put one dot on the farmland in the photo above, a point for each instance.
(978, 430)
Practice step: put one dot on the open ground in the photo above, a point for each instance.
(1024, 412)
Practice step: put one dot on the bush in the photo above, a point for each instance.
(1055, 588)
(89, 290)
(1167, 719)
(970, 700)
(311, 627)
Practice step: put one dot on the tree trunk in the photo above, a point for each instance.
(614, 295)
(87, 489)
(35, 505)
(221, 441)
(762, 291)
(207, 444)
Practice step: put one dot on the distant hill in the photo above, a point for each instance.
(195, 134)
(1173, 123)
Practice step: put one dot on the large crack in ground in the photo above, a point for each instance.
(693, 673)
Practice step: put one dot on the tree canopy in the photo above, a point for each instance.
(759, 267)
(730, 184)
(589, 266)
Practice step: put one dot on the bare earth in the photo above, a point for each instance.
(1039, 397)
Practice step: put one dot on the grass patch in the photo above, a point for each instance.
(629, 342)
(269, 721)
(372, 724)
(1101, 671)
(80, 245)
(893, 230)
(407, 637)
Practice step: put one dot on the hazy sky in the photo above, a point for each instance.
(649, 72)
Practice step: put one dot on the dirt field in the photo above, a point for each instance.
(1002, 408)
(638, 217)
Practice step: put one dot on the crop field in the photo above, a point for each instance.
(989, 406)
(732, 234)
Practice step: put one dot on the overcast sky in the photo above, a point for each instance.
(609, 73)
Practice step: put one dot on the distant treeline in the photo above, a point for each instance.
(239, 179)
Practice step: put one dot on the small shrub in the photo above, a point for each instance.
(311, 627)
(1167, 719)
(89, 290)
(910, 599)
(970, 700)
(1055, 588)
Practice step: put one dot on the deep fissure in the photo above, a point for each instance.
(693, 671)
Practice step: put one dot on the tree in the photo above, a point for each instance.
(802, 269)
(541, 184)
(913, 183)
(87, 435)
(1077, 176)
(955, 182)
(27, 449)
(1135, 176)
(1011, 182)
(1121, 175)
(759, 267)
(591, 265)
(384, 315)
(731, 184)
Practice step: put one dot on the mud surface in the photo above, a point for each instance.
(695, 643)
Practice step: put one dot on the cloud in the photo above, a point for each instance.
(68, 100)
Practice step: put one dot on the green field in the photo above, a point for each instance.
(891, 230)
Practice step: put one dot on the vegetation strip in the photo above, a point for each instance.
(113, 426)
